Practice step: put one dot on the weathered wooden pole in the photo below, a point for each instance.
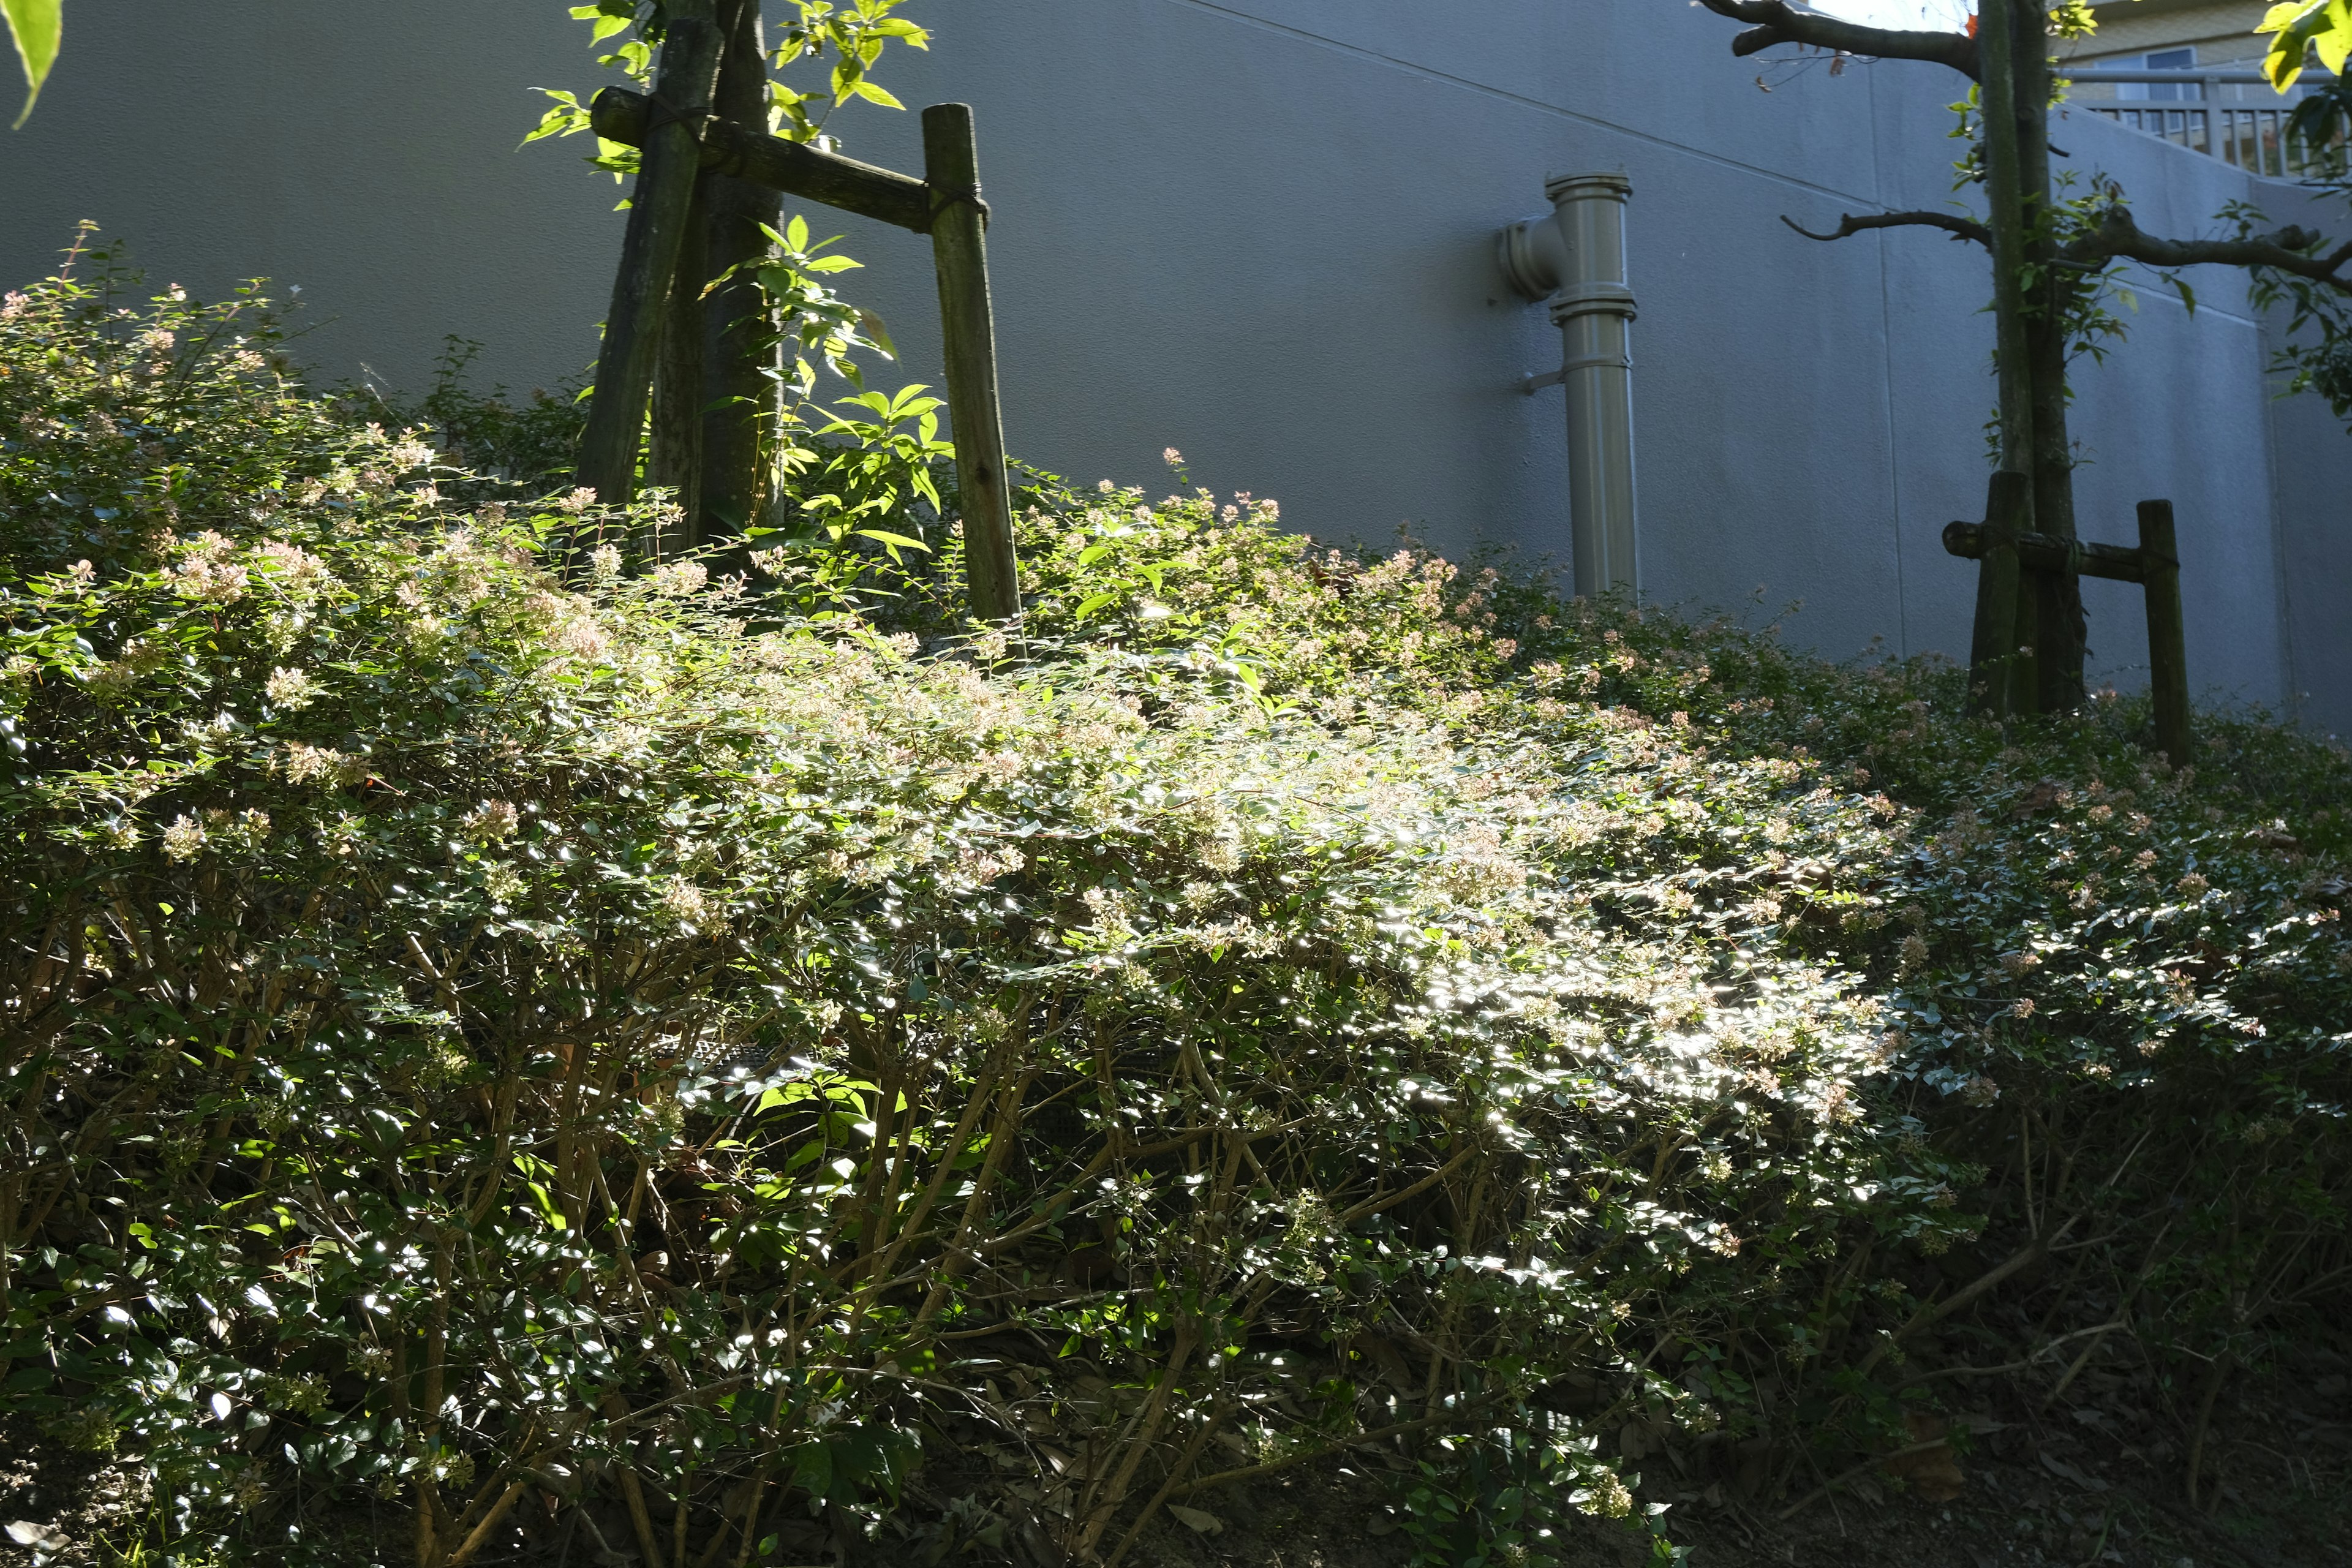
(2168, 643)
(2009, 504)
(673, 441)
(959, 248)
(661, 212)
(734, 324)
(1992, 672)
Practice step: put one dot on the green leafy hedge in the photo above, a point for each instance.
(561, 1048)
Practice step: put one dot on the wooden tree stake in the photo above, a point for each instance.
(2168, 645)
(661, 210)
(733, 323)
(945, 204)
(674, 444)
(1993, 651)
(951, 171)
(2154, 565)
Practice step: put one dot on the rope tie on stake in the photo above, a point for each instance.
(660, 112)
(946, 196)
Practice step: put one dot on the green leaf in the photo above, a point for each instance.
(566, 117)
(547, 1208)
(37, 27)
(2335, 41)
(2294, 35)
(868, 90)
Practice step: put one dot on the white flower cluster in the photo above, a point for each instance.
(205, 573)
(291, 690)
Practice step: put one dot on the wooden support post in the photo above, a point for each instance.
(951, 171)
(1992, 652)
(734, 324)
(660, 212)
(674, 444)
(2168, 646)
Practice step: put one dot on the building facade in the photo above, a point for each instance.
(1263, 231)
(2175, 34)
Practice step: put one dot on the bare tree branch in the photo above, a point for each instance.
(1778, 21)
(2289, 250)
(1957, 228)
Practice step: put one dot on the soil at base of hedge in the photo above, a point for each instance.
(2092, 1480)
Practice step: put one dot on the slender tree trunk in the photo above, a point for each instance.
(734, 324)
(2004, 201)
(2051, 613)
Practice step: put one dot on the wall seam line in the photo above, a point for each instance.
(1490, 91)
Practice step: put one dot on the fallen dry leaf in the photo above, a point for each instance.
(1199, 1521)
(1934, 1473)
(2064, 1471)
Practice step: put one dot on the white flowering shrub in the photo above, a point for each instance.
(527, 1051)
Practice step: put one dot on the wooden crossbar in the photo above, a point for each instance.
(792, 168)
(2154, 565)
(2047, 552)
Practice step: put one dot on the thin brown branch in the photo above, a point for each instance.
(1818, 1492)
(1848, 225)
(2291, 249)
(1375, 1204)
(1176, 1472)
(1303, 1455)
(2031, 1252)
(1775, 22)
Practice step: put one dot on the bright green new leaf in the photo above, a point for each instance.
(36, 26)
(2335, 41)
(2295, 28)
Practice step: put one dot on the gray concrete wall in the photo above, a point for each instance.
(1261, 231)
(365, 154)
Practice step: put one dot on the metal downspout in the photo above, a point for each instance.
(1574, 260)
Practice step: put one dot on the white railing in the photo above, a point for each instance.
(2217, 117)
